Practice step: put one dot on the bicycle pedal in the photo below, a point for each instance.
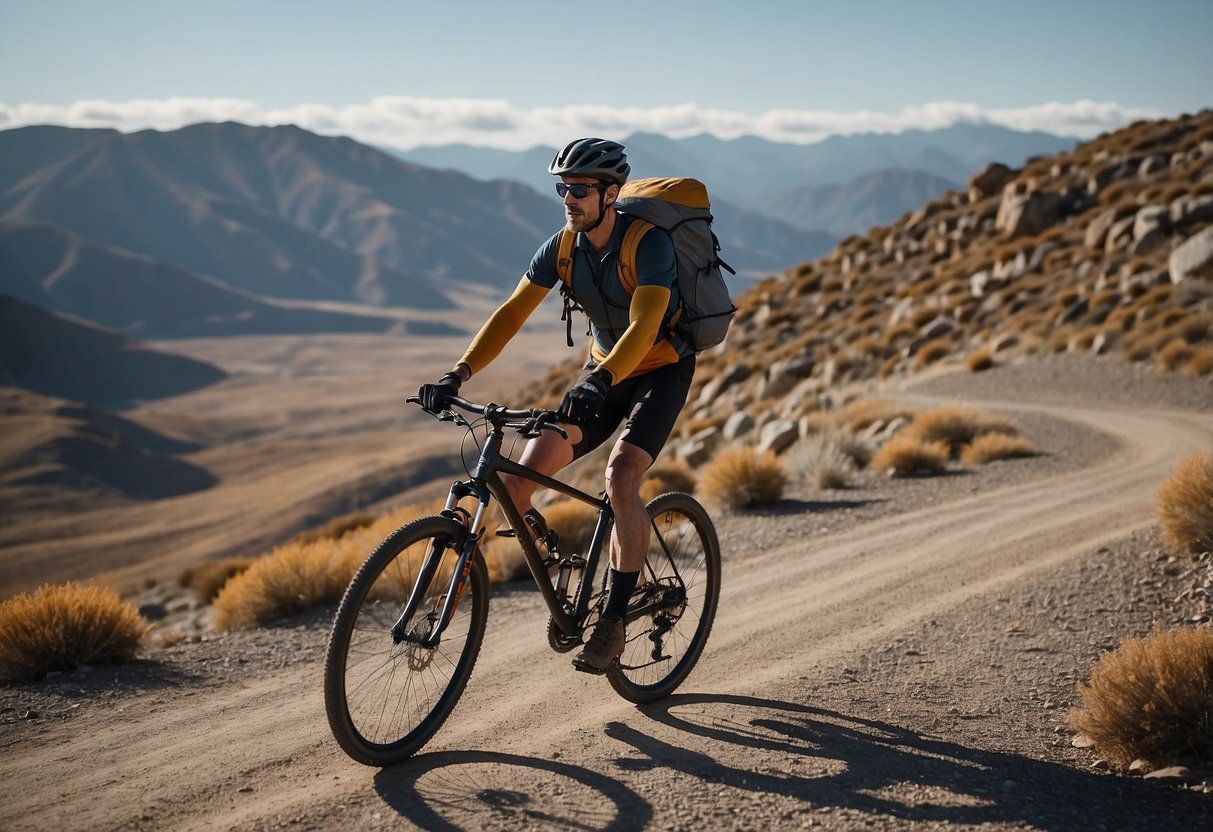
(506, 532)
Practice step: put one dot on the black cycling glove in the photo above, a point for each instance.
(434, 397)
(584, 399)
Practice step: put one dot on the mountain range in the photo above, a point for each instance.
(869, 173)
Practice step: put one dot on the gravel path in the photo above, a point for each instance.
(901, 654)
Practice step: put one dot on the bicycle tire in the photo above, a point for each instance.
(662, 648)
(384, 700)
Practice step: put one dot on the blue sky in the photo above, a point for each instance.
(513, 74)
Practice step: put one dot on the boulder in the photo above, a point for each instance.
(1194, 258)
(784, 375)
(1027, 214)
(1120, 234)
(1189, 210)
(1152, 164)
(778, 435)
(1097, 230)
(738, 424)
(989, 181)
(731, 376)
(1150, 229)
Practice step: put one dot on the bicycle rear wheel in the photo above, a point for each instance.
(680, 584)
(386, 697)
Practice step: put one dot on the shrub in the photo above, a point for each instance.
(1174, 355)
(979, 360)
(1185, 505)
(574, 521)
(335, 528)
(956, 426)
(741, 478)
(63, 627)
(863, 413)
(207, 578)
(822, 460)
(1201, 362)
(905, 455)
(667, 475)
(298, 576)
(1152, 699)
(931, 352)
(993, 446)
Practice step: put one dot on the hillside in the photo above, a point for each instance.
(1106, 250)
(63, 272)
(59, 356)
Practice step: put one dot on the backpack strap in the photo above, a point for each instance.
(627, 253)
(564, 270)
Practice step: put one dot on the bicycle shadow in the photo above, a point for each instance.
(834, 761)
(456, 790)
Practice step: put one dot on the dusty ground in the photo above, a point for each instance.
(897, 655)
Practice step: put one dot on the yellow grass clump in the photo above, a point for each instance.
(298, 576)
(994, 446)
(906, 455)
(1152, 699)
(741, 478)
(1185, 505)
(208, 577)
(957, 426)
(63, 627)
(979, 360)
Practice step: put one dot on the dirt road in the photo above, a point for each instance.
(769, 732)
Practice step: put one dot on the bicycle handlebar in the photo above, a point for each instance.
(529, 422)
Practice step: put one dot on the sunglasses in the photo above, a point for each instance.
(579, 190)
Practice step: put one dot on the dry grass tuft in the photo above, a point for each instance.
(574, 521)
(976, 362)
(207, 578)
(298, 576)
(1185, 505)
(905, 455)
(63, 627)
(1152, 699)
(994, 446)
(668, 475)
(335, 529)
(1200, 363)
(822, 459)
(741, 478)
(863, 413)
(957, 426)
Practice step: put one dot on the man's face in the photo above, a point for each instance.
(581, 214)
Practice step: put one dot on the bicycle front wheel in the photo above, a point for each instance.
(679, 587)
(385, 696)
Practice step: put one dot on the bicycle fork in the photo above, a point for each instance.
(466, 545)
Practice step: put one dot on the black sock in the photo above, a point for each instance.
(619, 593)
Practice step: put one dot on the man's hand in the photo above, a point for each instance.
(434, 397)
(583, 401)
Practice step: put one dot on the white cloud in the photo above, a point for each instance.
(406, 122)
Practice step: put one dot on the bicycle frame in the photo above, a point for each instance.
(486, 484)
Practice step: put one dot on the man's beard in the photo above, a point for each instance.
(579, 221)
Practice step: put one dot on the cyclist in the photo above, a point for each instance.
(638, 372)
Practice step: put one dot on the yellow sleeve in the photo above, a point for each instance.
(644, 321)
(503, 325)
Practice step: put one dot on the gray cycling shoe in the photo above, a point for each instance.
(603, 648)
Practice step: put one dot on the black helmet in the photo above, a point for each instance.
(599, 158)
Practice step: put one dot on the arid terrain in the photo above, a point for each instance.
(900, 654)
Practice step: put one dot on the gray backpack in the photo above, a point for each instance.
(681, 207)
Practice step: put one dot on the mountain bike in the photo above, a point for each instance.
(409, 627)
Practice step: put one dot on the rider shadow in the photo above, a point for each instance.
(833, 761)
(457, 790)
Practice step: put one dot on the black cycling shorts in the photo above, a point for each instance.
(649, 403)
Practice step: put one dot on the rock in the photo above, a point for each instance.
(1139, 766)
(731, 376)
(1174, 775)
(694, 452)
(1074, 311)
(1119, 234)
(738, 424)
(1037, 259)
(1027, 214)
(153, 611)
(1189, 210)
(778, 435)
(783, 375)
(1097, 232)
(978, 283)
(989, 181)
(1193, 259)
(1152, 164)
(1082, 741)
(1150, 227)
